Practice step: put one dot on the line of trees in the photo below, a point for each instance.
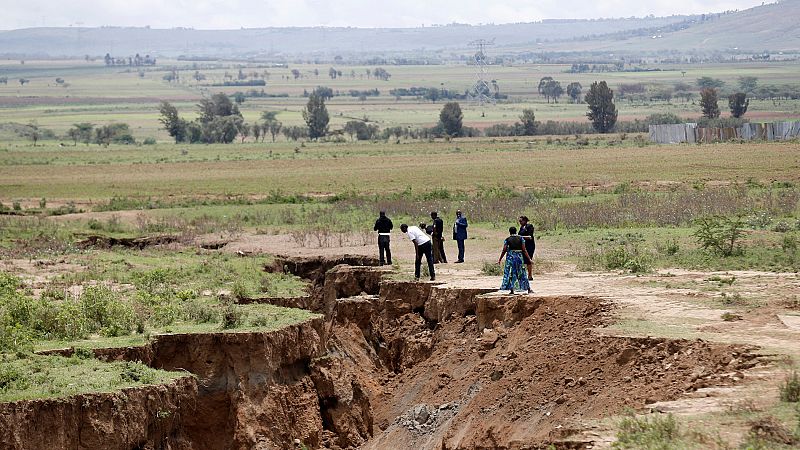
(552, 89)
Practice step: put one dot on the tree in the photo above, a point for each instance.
(274, 128)
(295, 73)
(244, 130)
(748, 84)
(381, 74)
(74, 134)
(84, 130)
(219, 105)
(708, 103)
(256, 131)
(602, 111)
(33, 133)
(325, 92)
(22, 81)
(432, 94)
(267, 116)
(316, 116)
(574, 91)
(332, 73)
(552, 89)
(528, 122)
(738, 104)
(542, 84)
(451, 118)
(239, 97)
(708, 82)
(175, 126)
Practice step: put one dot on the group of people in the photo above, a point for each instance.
(428, 240)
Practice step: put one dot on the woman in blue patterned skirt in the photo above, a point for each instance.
(514, 272)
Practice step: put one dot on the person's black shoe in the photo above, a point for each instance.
(459, 262)
(433, 278)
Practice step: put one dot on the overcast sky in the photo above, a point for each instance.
(228, 14)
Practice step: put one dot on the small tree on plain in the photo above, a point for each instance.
(602, 111)
(451, 118)
(709, 103)
(74, 134)
(316, 116)
(274, 128)
(738, 104)
(574, 91)
(175, 126)
(528, 122)
(748, 84)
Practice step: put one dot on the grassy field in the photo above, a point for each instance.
(95, 173)
(100, 95)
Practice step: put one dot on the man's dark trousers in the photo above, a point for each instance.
(427, 250)
(460, 243)
(383, 248)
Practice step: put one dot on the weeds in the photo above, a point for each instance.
(790, 388)
(232, 316)
(491, 269)
(655, 432)
(720, 235)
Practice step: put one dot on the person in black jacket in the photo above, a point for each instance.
(384, 227)
(438, 239)
(526, 230)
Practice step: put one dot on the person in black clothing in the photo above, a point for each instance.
(438, 239)
(526, 231)
(384, 227)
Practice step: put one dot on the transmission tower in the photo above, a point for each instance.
(482, 91)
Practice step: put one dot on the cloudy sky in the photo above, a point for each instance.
(227, 14)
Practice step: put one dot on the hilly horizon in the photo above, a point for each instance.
(768, 27)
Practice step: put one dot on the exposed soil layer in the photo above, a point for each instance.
(97, 241)
(420, 365)
(148, 417)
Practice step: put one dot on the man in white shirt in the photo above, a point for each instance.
(422, 246)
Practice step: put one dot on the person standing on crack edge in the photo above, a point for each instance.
(438, 239)
(526, 231)
(422, 246)
(516, 256)
(460, 234)
(384, 228)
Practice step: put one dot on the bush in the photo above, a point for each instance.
(136, 372)
(790, 388)
(232, 316)
(149, 141)
(720, 235)
(656, 432)
(492, 269)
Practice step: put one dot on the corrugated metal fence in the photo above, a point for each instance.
(691, 133)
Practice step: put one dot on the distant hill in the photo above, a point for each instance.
(772, 28)
(323, 41)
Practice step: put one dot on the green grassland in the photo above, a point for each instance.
(97, 173)
(101, 95)
(31, 377)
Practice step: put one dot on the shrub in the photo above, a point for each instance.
(790, 388)
(656, 432)
(240, 290)
(232, 316)
(136, 372)
(492, 269)
(669, 248)
(720, 234)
